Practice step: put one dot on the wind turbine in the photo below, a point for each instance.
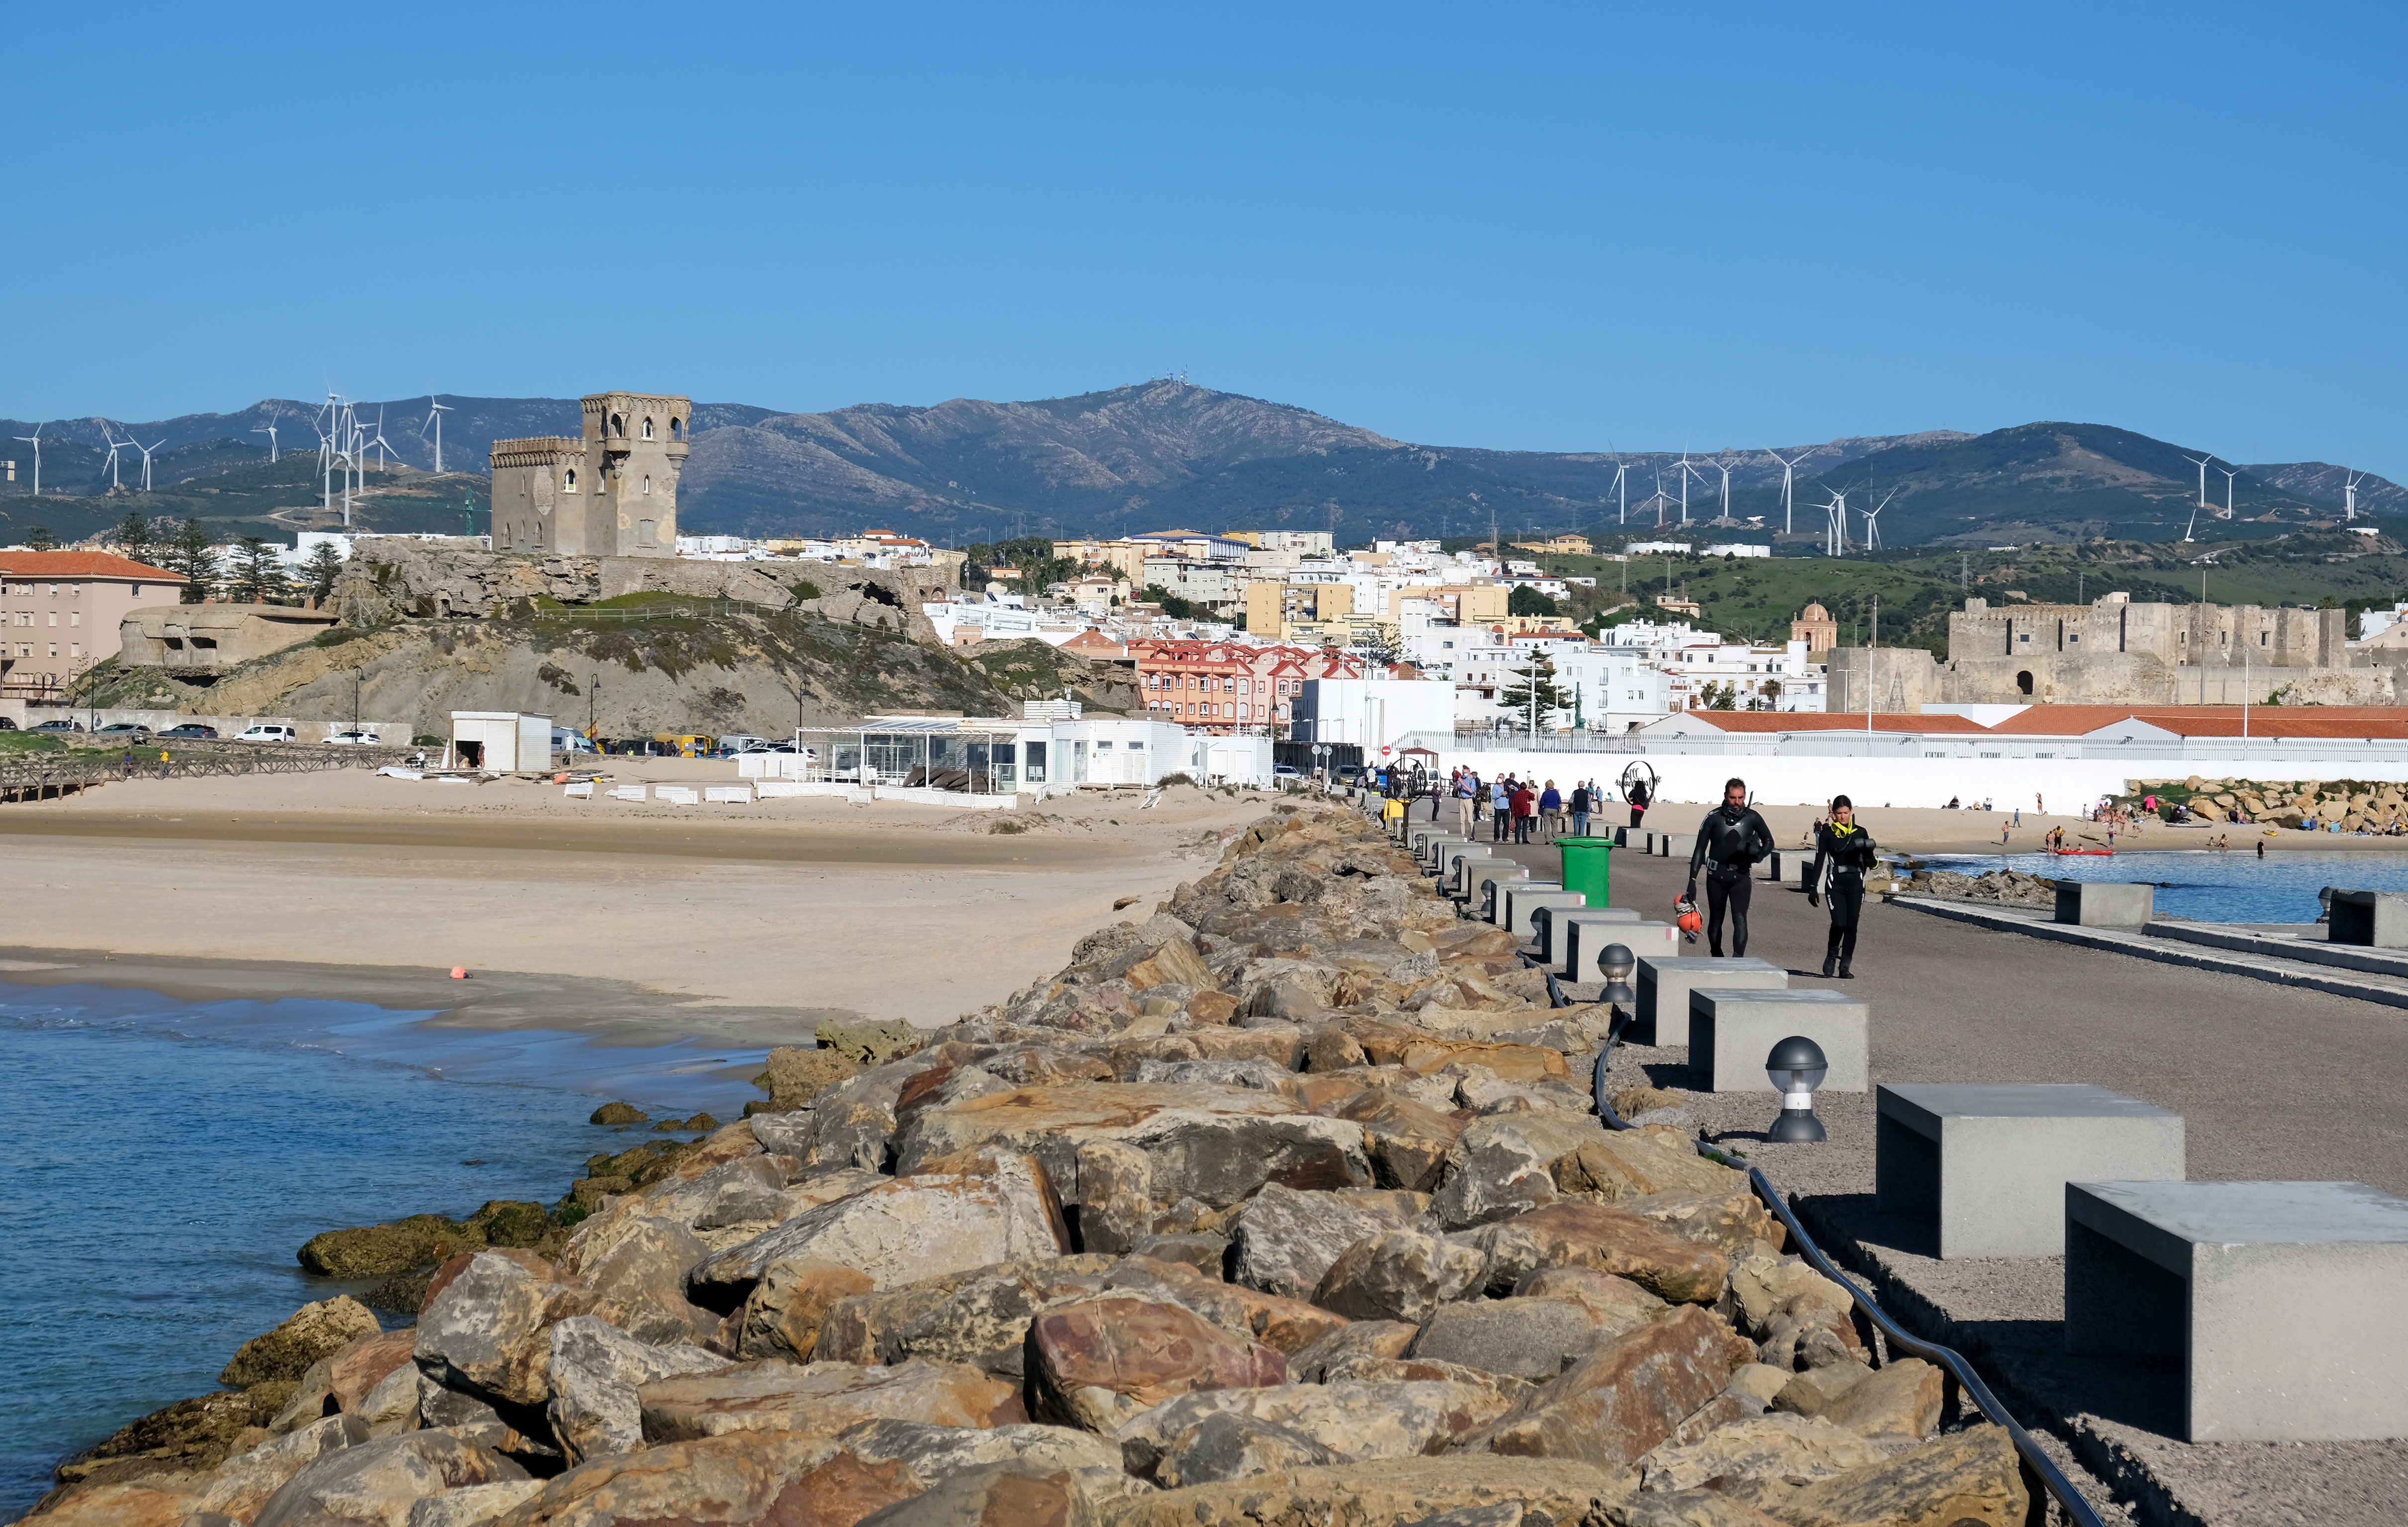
(1687, 470)
(434, 412)
(1872, 521)
(35, 440)
(1621, 493)
(1788, 477)
(379, 444)
(2200, 461)
(145, 458)
(114, 446)
(1835, 532)
(2229, 476)
(2349, 492)
(1725, 466)
(268, 429)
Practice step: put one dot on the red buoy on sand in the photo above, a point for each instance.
(459, 973)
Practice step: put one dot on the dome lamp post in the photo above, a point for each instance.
(1796, 1067)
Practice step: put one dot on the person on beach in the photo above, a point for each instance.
(1731, 842)
(1848, 849)
(2003, 830)
(1639, 800)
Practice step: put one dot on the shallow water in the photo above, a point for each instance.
(172, 1156)
(2235, 886)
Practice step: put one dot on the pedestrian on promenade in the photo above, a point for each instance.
(1500, 808)
(1465, 782)
(1551, 805)
(1848, 849)
(1731, 842)
(1525, 811)
(129, 763)
(1639, 800)
(1582, 798)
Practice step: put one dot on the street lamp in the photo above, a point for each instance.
(592, 696)
(1795, 1067)
(359, 677)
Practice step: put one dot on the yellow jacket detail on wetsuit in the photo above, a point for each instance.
(1847, 848)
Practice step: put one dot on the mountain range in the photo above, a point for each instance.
(1166, 453)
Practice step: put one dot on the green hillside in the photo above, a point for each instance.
(1757, 598)
(254, 498)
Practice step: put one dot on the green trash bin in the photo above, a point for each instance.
(1587, 868)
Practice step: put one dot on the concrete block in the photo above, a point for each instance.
(2099, 903)
(1990, 1160)
(1480, 872)
(1523, 901)
(1553, 928)
(1451, 860)
(1732, 1029)
(2377, 919)
(1501, 902)
(2283, 1299)
(1428, 846)
(1666, 980)
(1584, 940)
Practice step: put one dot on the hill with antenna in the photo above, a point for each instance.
(1166, 452)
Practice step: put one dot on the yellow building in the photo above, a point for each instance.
(1560, 546)
(1124, 557)
(1273, 607)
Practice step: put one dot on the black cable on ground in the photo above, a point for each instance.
(2077, 1511)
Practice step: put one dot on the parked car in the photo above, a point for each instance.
(189, 731)
(354, 739)
(131, 731)
(57, 726)
(7, 725)
(743, 742)
(1286, 771)
(266, 732)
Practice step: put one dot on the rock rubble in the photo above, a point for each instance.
(1284, 1204)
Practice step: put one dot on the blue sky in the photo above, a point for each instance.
(1551, 228)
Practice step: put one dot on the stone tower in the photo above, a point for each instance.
(608, 491)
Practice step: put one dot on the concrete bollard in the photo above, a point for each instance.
(2097, 904)
(1665, 982)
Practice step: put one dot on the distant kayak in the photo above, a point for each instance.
(2074, 853)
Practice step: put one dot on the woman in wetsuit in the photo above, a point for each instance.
(1848, 849)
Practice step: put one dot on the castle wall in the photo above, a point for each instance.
(2114, 652)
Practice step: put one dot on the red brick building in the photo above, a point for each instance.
(1229, 686)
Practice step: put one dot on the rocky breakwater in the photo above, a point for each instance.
(1284, 1205)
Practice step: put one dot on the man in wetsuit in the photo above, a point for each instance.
(1848, 849)
(1730, 843)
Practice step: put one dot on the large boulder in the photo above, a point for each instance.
(1354, 1420)
(1214, 1144)
(310, 1333)
(1373, 1340)
(373, 1250)
(1399, 1275)
(1606, 1240)
(1116, 1189)
(821, 1397)
(1386, 1493)
(1503, 1165)
(1973, 1479)
(1627, 1395)
(1283, 1241)
(784, 1313)
(950, 1215)
(1898, 1406)
(642, 1278)
(155, 1503)
(486, 1328)
(1527, 1338)
(992, 1494)
(929, 1453)
(246, 1481)
(1797, 1449)
(1095, 1363)
(1612, 1165)
(596, 1370)
(1408, 1141)
(1232, 1445)
(376, 1482)
(354, 1372)
(1281, 1324)
(981, 1318)
(726, 1481)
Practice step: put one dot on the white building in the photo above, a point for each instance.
(1371, 713)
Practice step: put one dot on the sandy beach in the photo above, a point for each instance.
(641, 923)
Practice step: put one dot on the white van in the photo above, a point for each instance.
(266, 732)
(743, 742)
(570, 740)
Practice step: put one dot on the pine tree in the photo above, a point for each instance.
(194, 555)
(258, 571)
(1537, 674)
(134, 537)
(319, 572)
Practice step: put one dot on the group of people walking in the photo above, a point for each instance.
(1516, 809)
(1734, 840)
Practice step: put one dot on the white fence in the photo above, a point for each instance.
(2066, 784)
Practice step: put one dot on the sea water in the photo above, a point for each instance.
(172, 1156)
(2234, 886)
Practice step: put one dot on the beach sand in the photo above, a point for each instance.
(639, 922)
